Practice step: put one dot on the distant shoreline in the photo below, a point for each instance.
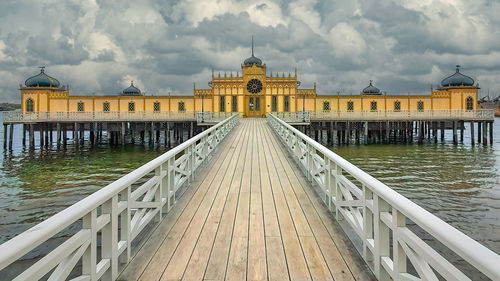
(9, 106)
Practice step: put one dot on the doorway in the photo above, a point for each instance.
(254, 106)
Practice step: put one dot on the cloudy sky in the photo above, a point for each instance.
(165, 46)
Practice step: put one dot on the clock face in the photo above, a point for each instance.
(254, 86)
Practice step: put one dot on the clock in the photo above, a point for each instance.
(254, 86)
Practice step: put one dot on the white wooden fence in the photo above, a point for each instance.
(118, 212)
(376, 213)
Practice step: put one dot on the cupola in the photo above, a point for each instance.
(457, 80)
(132, 90)
(371, 90)
(42, 80)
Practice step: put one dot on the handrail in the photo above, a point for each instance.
(416, 115)
(374, 210)
(68, 116)
(136, 206)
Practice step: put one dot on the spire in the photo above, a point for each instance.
(42, 68)
(458, 67)
(371, 82)
(252, 45)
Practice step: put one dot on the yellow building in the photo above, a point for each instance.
(252, 94)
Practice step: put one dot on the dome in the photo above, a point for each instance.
(41, 80)
(457, 79)
(132, 90)
(371, 90)
(252, 60)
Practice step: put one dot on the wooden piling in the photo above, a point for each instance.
(472, 132)
(485, 133)
(58, 134)
(5, 136)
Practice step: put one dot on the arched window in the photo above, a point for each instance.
(29, 105)
(420, 106)
(80, 107)
(181, 106)
(350, 106)
(397, 106)
(469, 103)
(326, 106)
(131, 106)
(373, 106)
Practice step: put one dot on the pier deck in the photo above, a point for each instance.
(251, 215)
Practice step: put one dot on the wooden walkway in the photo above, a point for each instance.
(250, 215)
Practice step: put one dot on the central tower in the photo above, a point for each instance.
(254, 85)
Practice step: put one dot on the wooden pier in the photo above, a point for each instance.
(249, 216)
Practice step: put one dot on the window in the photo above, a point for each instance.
(234, 104)
(420, 106)
(350, 106)
(29, 105)
(397, 106)
(250, 104)
(156, 107)
(80, 107)
(469, 103)
(373, 106)
(257, 104)
(105, 107)
(326, 106)
(131, 107)
(274, 103)
(287, 103)
(222, 104)
(181, 106)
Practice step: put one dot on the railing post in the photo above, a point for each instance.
(338, 192)
(159, 191)
(381, 237)
(109, 238)
(328, 185)
(89, 259)
(367, 223)
(399, 255)
(125, 223)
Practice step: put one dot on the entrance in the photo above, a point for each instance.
(254, 106)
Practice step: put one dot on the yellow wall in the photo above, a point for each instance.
(51, 99)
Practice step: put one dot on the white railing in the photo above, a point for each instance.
(17, 116)
(367, 115)
(119, 212)
(294, 117)
(376, 213)
(210, 117)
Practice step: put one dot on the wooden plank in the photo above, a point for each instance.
(296, 262)
(271, 225)
(145, 254)
(162, 256)
(182, 254)
(344, 261)
(238, 253)
(277, 266)
(195, 269)
(315, 262)
(216, 268)
(257, 266)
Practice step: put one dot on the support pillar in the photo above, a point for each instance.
(472, 132)
(491, 133)
(479, 131)
(485, 133)
(5, 136)
(58, 134)
(24, 135)
(455, 139)
(32, 136)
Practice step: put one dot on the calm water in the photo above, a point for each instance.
(460, 184)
